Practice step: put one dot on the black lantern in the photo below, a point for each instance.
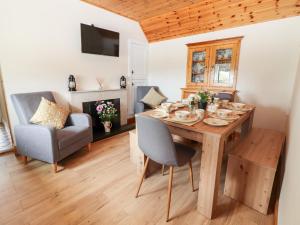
(72, 83)
(123, 82)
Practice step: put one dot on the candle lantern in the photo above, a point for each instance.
(72, 83)
(123, 82)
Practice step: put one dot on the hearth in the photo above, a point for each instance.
(98, 129)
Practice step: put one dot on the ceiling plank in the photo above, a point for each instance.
(167, 19)
(141, 9)
(212, 17)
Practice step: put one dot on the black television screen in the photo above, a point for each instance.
(99, 41)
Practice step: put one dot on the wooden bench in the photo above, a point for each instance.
(252, 166)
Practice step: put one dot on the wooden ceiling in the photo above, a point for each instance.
(167, 19)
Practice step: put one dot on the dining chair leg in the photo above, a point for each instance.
(169, 192)
(191, 175)
(163, 170)
(142, 177)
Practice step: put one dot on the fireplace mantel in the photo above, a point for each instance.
(78, 97)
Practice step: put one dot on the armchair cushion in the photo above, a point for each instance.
(72, 134)
(50, 114)
(79, 119)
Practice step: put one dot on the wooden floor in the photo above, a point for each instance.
(99, 187)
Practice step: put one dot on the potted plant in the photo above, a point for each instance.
(106, 112)
(204, 96)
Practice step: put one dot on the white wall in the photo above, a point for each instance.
(290, 196)
(40, 46)
(268, 61)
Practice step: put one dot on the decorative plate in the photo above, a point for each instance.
(159, 114)
(215, 122)
(245, 109)
(189, 119)
(239, 112)
(178, 105)
(228, 118)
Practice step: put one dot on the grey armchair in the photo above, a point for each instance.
(141, 91)
(47, 143)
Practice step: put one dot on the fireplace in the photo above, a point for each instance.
(98, 129)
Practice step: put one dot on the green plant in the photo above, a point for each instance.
(203, 95)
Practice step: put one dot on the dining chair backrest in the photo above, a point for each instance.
(155, 140)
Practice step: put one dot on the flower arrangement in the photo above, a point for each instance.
(106, 111)
(204, 98)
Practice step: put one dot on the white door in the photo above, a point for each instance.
(137, 69)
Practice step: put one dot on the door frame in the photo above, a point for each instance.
(131, 89)
(130, 42)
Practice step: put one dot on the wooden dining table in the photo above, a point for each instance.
(213, 142)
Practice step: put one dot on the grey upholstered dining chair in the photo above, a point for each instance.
(225, 96)
(141, 91)
(47, 143)
(156, 142)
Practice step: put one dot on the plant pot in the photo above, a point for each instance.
(107, 126)
(202, 105)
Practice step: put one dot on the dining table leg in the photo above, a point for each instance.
(247, 125)
(210, 171)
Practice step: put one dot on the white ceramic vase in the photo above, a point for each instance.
(107, 126)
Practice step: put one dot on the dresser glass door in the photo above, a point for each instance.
(199, 66)
(222, 71)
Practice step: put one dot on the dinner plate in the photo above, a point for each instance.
(178, 105)
(237, 112)
(228, 118)
(189, 119)
(159, 114)
(215, 122)
(244, 109)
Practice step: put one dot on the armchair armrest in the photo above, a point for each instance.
(37, 142)
(80, 119)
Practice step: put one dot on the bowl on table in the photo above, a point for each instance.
(223, 113)
(237, 105)
(166, 106)
(182, 114)
(200, 113)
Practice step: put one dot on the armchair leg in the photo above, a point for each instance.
(89, 147)
(25, 160)
(54, 165)
(57, 168)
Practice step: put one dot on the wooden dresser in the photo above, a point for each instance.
(212, 65)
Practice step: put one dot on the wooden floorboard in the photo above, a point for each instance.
(98, 187)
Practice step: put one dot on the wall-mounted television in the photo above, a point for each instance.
(99, 41)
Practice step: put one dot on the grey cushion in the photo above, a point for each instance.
(70, 135)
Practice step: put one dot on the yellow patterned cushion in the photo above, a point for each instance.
(50, 114)
(153, 98)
